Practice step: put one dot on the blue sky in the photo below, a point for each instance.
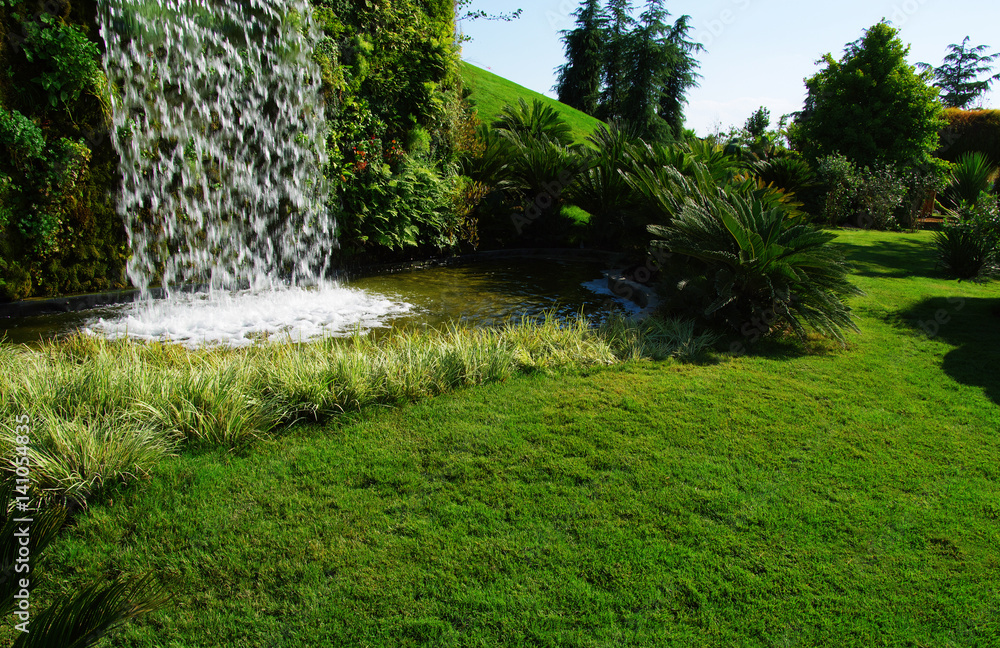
(759, 51)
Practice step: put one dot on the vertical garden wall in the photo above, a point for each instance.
(395, 123)
(59, 230)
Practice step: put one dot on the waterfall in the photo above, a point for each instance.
(218, 120)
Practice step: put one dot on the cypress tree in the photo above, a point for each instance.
(958, 76)
(681, 76)
(579, 81)
(650, 56)
(617, 47)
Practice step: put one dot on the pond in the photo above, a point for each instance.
(480, 293)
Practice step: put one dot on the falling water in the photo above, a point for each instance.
(218, 121)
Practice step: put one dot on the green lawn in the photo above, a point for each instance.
(793, 497)
(490, 93)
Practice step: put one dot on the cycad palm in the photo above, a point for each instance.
(535, 120)
(73, 621)
(753, 266)
(972, 175)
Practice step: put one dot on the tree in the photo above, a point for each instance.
(616, 48)
(478, 14)
(579, 82)
(958, 77)
(462, 12)
(757, 124)
(650, 57)
(681, 77)
(871, 106)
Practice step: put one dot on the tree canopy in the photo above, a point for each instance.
(636, 72)
(871, 106)
(958, 76)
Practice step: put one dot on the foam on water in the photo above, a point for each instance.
(237, 319)
(600, 287)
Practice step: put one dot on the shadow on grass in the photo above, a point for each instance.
(779, 346)
(971, 325)
(897, 259)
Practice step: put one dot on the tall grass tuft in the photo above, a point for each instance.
(105, 411)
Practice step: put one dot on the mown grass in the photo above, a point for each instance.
(490, 93)
(797, 496)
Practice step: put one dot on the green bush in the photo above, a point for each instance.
(883, 196)
(972, 175)
(665, 178)
(602, 189)
(537, 120)
(968, 245)
(746, 266)
(528, 163)
(793, 175)
(407, 207)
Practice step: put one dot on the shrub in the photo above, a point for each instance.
(68, 60)
(601, 187)
(973, 174)
(880, 193)
(747, 266)
(882, 196)
(410, 207)
(968, 246)
(842, 182)
(528, 162)
(790, 174)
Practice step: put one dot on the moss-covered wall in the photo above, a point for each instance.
(59, 230)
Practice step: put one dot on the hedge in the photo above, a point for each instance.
(970, 130)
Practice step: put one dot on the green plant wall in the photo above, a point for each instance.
(59, 230)
(395, 114)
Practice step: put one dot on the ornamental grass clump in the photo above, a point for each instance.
(104, 412)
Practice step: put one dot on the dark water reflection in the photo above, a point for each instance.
(483, 293)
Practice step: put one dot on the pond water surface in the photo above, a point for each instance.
(481, 293)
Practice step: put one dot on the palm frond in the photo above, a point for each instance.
(81, 620)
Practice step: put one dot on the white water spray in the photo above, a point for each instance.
(218, 119)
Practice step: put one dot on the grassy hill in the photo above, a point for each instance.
(490, 93)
